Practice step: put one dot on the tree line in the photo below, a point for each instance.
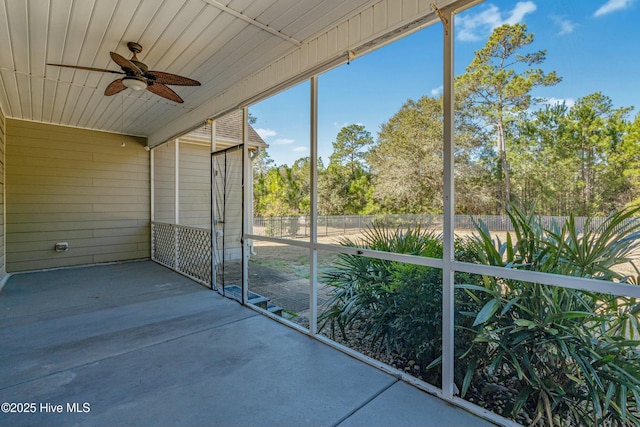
(510, 147)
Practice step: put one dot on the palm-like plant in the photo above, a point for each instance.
(560, 352)
(397, 305)
(368, 289)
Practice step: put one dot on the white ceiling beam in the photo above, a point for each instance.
(252, 21)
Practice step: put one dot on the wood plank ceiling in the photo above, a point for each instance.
(217, 42)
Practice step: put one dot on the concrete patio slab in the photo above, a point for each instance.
(80, 338)
(31, 297)
(410, 409)
(144, 354)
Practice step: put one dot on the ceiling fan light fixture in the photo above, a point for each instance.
(135, 83)
(137, 76)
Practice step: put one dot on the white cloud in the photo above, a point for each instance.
(566, 26)
(518, 12)
(283, 141)
(475, 27)
(300, 149)
(468, 26)
(266, 133)
(613, 6)
(437, 90)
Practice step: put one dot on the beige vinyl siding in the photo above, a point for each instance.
(195, 185)
(3, 262)
(77, 186)
(164, 180)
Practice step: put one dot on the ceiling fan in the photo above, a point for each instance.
(139, 77)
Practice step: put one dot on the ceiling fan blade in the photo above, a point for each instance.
(171, 79)
(114, 87)
(165, 92)
(125, 63)
(87, 68)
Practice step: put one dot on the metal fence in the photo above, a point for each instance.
(300, 226)
(186, 250)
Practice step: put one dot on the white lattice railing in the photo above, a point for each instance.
(186, 250)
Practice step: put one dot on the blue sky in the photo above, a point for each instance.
(594, 45)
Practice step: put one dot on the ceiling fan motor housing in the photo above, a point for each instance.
(134, 47)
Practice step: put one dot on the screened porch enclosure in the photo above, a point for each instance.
(295, 277)
(185, 198)
(208, 204)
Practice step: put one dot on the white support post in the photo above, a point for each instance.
(313, 264)
(176, 169)
(247, 199)
(152, 189)
(176, 195)
(152, 177)
(448, 291)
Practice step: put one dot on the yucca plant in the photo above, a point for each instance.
(397, 306)
(562, 355)
(373, 291)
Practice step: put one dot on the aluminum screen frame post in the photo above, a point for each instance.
(313, 262)
(448, 256)
(212, 194)
(247, 200)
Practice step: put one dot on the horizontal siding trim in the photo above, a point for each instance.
(41, 144)
(128, 235)
(80, 218)
(79, 190)
(26, 171)
(57, 236)
(64, 133)
(111, 167)
(54, 200)
(97, 245)
(75, 225)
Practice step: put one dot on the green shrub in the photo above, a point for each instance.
(397, 305)
(560, 355)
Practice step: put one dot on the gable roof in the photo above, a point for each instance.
(228, 132)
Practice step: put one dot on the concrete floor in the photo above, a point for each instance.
(136, 344)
